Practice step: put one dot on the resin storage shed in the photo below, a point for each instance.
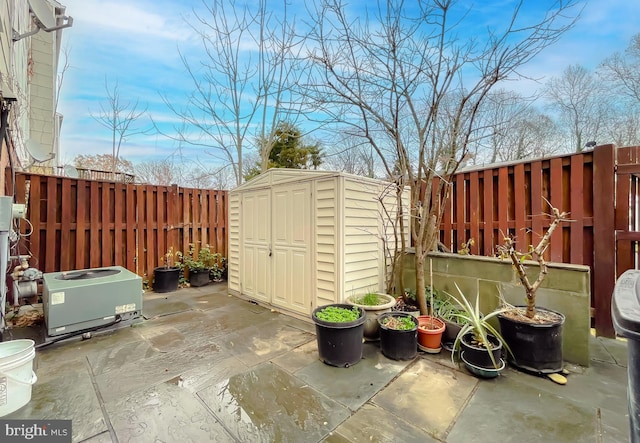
(299, 239)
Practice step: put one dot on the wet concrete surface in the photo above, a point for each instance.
(203, 366)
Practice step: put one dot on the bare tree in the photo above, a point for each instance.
(624, 70)
(511, 128)
(578, 98)
(353, 157)
(103, 162)
(401, 76)
(120, 117)
(158, 172)
(622, 74)
(244, 85)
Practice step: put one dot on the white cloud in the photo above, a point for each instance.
(149, 19)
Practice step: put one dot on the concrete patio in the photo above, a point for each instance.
(204, 366)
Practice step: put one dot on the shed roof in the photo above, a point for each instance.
(284, 175)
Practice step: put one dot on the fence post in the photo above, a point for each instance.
(604, 238)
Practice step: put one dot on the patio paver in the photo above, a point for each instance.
(209, 367)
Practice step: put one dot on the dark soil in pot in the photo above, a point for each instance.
(398, 344)
(479, 355)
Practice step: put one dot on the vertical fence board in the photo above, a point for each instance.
(81, 211)
(105, 241)
(604, 237)
(65, 226)
(576, 236)
(519, 196)
(131, 224)
(151, 246)
(461, 218)
(94, 223)
(487, 180)
(556, 243)
(474, 207)
(119, 240)
(49, 242)
(536, 200)
(503, 205)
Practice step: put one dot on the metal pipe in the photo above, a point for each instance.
(4, 259)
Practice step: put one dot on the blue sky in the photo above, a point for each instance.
(136, 43)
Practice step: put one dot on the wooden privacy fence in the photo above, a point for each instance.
(597, 190)
(80, 224)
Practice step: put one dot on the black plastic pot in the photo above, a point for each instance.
(534, 347)
(398, 344)
(479, 356)
(339, 344)
(166, 279)
(450, 332)
(199, 278)
(625, 313)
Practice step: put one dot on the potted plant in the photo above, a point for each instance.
(430, 331)
(339, 333)
(166, 278)
(534, 334)
(431, 328)
(374, 304)
(218, 271)
(407, 302)
(448, 313)
(478, 344)
(198, 263)
(398, 335)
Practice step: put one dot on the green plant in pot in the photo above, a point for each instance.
(448, 312)
(534, 334)
(167, 276)
(398, 335)
(339, 333)
(374, 304)
(198, 264)
(478, 343)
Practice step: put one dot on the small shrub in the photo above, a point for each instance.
(404, 323)
(335, 314)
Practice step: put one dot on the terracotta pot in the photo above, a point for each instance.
(430, 333)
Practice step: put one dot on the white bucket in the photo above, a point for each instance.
(16, 374)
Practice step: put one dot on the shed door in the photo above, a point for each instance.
(291, 227)
(255, 271)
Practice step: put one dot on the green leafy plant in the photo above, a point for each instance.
(474, 321)
(336, 314)
(369, 299)
(401, 323)
(448, 311)
(201, 260)
(219, 268)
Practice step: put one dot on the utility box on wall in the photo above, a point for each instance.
(299, 239)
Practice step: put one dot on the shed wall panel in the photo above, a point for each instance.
(326, 236)
(361, 245)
